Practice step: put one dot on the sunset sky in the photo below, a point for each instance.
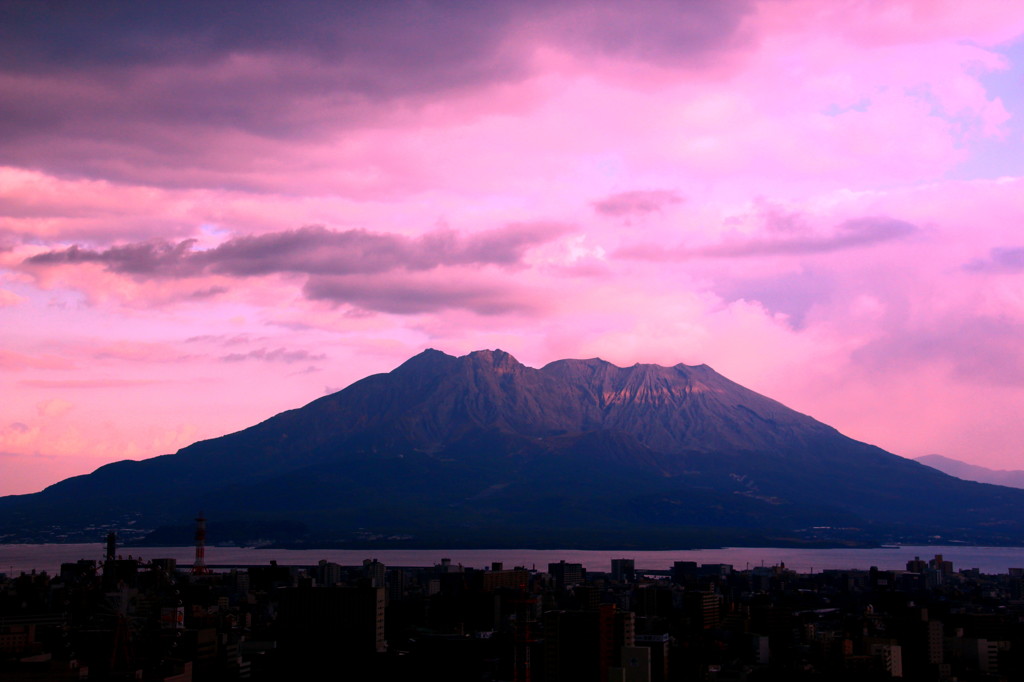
(211, 212)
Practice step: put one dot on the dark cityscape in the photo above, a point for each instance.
(125, 618)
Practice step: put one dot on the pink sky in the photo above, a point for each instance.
(213, 212)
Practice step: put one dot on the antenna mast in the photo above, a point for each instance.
(199, 567)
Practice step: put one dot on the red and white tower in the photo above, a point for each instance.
(199, 567)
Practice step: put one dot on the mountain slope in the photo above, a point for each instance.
(482, 450)
(972, 472)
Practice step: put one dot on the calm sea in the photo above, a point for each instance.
(18, 558)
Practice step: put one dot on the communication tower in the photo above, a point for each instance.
(199, 567)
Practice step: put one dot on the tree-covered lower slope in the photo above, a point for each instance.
(481, 451)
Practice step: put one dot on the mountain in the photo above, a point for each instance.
(483, 451)
(973, 472)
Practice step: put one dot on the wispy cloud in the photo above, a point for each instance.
(12, 360)
(637, 202)
(1000, 259)
(407, 296)
(87, 383)
(851, 234)
(276, 355)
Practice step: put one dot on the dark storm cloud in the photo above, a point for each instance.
(414, 43)
(115, 89)
(637, 202)
(136, 90)
(367, 49)
(312, 250)
(858, 233)
(438, 43)
(657, 31)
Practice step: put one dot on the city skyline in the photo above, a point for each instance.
(214, 212)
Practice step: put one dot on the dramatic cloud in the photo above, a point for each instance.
(90, 91)
(819, 199)
(311, 250)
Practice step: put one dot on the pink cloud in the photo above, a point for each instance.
(465, 166)
(12, 360)
(54, 407)
(85, 383)
(10, 298)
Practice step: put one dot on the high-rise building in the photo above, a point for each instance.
(623, 570)
(634, 665)
(328, 573)
(331, 624)
(374, 571)
(659, 646)
(566, 575)
(585, 645)
(705, 608)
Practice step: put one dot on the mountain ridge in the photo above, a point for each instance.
(447, 449)
(1013, 478)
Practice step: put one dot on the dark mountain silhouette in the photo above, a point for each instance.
(1013, 478)
(481, 450)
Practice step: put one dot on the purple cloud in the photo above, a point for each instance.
(405, 297)
(637, 202)
(151, 259)
(658, 31)
(1000, 259)
(105, 91)
(981, 350)
(793, 294)
(312, 251)
(858, 233)
(221, 339)
(276, 355)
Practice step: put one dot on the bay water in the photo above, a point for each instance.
(15, 559)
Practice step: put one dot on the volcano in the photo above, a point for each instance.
(483, 451)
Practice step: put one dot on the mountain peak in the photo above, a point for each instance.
(480, 446)
(496, 357)
(427, 355)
